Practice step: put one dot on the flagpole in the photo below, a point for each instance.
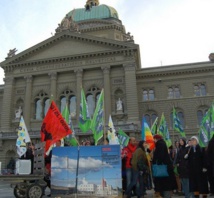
(104, 124)
(173, 127)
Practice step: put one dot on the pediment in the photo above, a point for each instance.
(65, 45)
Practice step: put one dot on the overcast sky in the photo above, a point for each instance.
(168, 31)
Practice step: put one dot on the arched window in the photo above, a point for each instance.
(73, 105)
(38, 109)
(200, 89)
(42, 103)
(180, 115)
(201, 113)
(91, 104)
(174, 92)
(145, 95)
(150, 118)
(63, 103)
(46, 106)
(92, 97)
(68, 98)
(148, 94)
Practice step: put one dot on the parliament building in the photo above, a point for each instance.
(91, 49)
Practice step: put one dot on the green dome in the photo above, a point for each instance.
(96, 12)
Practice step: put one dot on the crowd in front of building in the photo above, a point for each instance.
(190, 168)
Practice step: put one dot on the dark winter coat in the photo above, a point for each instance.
(161, 156)
(182, 163)
(210, 156)
(197, 178)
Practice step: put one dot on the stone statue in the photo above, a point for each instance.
(66, 22)
(119, 105)
(18, 112)
(11, 53)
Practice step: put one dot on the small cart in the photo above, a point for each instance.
(33, 185)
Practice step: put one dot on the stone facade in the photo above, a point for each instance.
(100, 55)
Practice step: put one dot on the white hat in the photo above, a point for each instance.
(195, 137)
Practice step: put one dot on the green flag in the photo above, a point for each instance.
(84, 118)
(123, 138)
(163, 130)
(65, 114)
(70, 138)
(154, 127)
(177, 126)
(97, 123)
(206, 130)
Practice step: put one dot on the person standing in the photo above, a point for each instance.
(127, 154)
(164, 185)
(183, 168)
(140, 168)
(177, 177)
(197, 169)
(210, 168)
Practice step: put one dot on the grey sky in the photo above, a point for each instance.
(168, 31)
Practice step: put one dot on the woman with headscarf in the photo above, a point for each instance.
(140, 167)
(163, 185)
(197, 169)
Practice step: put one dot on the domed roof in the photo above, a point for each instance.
(95, 12)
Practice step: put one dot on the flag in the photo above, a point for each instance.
(206, 130)
(23, 138)
(97, 124)
(147, 134)
(72, 138)
(111, 134)
(54, 127)
(123, 138)
(65, 113)
(84, 118)
(177, 126)
(163, 130)
(154, 127)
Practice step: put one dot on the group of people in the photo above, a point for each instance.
(190, 168)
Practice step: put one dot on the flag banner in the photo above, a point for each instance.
(147, 134)
(97, 124)
(123, 138)
(84, 118)
(111, 134)
(177, 126)
(54, 127)
(206, 130)
(23, 138)
(65, 113)
(154, 128)
(72, 138)
(163, 130)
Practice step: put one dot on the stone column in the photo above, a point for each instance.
(107, 92)
(27, 102)
(131, 93)
(6, 114)
(53, 77)
(79, 73)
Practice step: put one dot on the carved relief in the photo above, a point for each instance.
(65, 86)
(38, 89)
(93, 83)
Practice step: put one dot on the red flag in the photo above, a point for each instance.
(54, 127)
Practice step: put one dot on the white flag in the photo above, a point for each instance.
(23, 138)
(113, 139)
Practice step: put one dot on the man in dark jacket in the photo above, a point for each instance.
(164, 185)
(210, 157)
